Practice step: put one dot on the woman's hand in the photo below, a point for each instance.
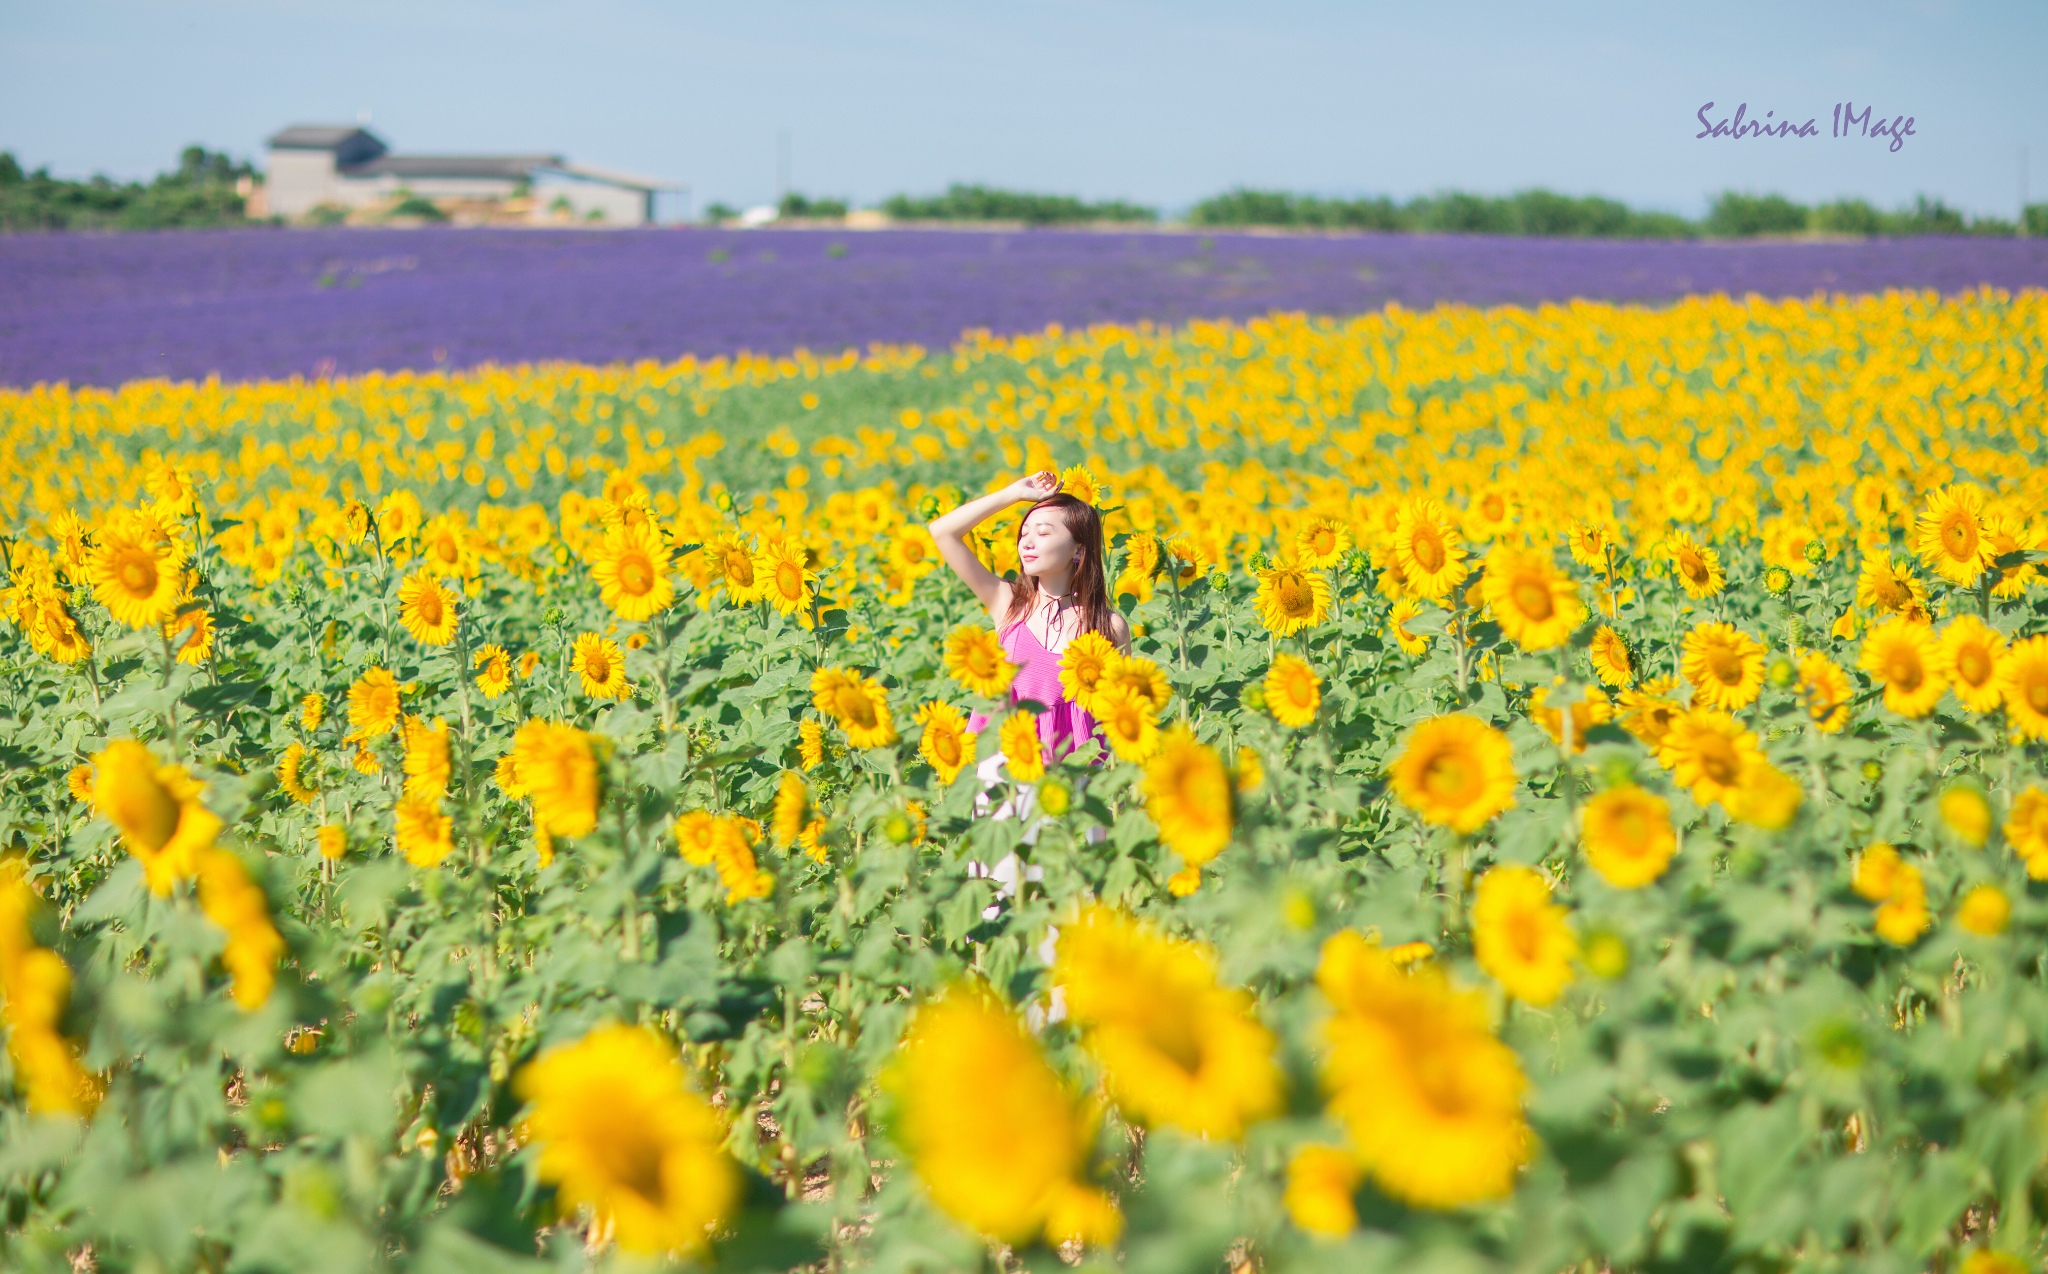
(1036, 487)
(950, 531)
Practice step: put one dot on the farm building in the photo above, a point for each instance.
(348, 167)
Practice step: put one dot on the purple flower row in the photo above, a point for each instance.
(102, 309)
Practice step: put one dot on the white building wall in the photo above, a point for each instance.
(363, 190)
(621, 205)
(299, 181)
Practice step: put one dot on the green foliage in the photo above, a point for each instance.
(985, 203)
(199, 192)
(796, 205)
(413, 206)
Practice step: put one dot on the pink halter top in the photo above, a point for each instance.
(1064, 724)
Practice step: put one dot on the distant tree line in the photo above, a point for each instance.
(200, 191)
(986, 203)
(1732, 215)
(1540, 213)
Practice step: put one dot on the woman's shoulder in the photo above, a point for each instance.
(1119, 628)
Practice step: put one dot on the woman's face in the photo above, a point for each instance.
(1045, 546)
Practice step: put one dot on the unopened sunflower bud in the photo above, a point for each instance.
(1054, 798)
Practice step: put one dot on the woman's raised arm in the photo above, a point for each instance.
(949, 531)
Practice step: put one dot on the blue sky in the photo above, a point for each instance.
(1155, 101)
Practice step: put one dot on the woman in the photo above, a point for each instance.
(1062, 591)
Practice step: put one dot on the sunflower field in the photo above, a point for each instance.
(1577, 800)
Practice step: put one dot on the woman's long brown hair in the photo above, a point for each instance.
(1090, 578)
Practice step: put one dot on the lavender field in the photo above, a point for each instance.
(102, 309)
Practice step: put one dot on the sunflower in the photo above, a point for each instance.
(78, 781)
(1082, 666)
(1431, 556)
(1590, 543)
(136, 571)
(235, 902)
(861, 707)
(191, 634)
(53, 631)
(1950, 535)
(426, 757)
(910, 550)
(1903, 916)
(2008, 532)
(1985, 911)
(1293, 691)
(1455, 771)
(1612, 661)
(998, 1139)
(312, 711)
(1023, 752)
(1971, 650)
(1177, 1049)
(1590, 709)
(495, 670)
(1698, 566)
(426, 607)
(1765, 796)
(1724, 664)
(290, 778)
(1876, 873)
(945, 744)
(1321, 1184)
(1491, 513)
(1966, 813)
(697, 837)
(373, 704)
(617, 1130)
(788, 584)
(332, 839)
(1648, 711)
(1321, 543)
(156, 810)
(423, 831)
(2023, 682)
(528, 662)
(793, 808)
(976, 659)
(1141, 677)
(1627, 835)
(1397, 620)
(734, 562)
(1141, 563)
(557, 767)
(2026, 829)
(1825, 690)
(506, 774)
(1889, 587)
(1189, 797)
(601, 665)
(1128, 722)
(1708, 753)
(1520, 937)
(1432, 1102)
(810, 744)
(1292, 598)
(632, 573)
(1250, 773)
(1535, 604)
(1904, 655)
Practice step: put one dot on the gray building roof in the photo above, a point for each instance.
(483, 167)
(322, 137)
